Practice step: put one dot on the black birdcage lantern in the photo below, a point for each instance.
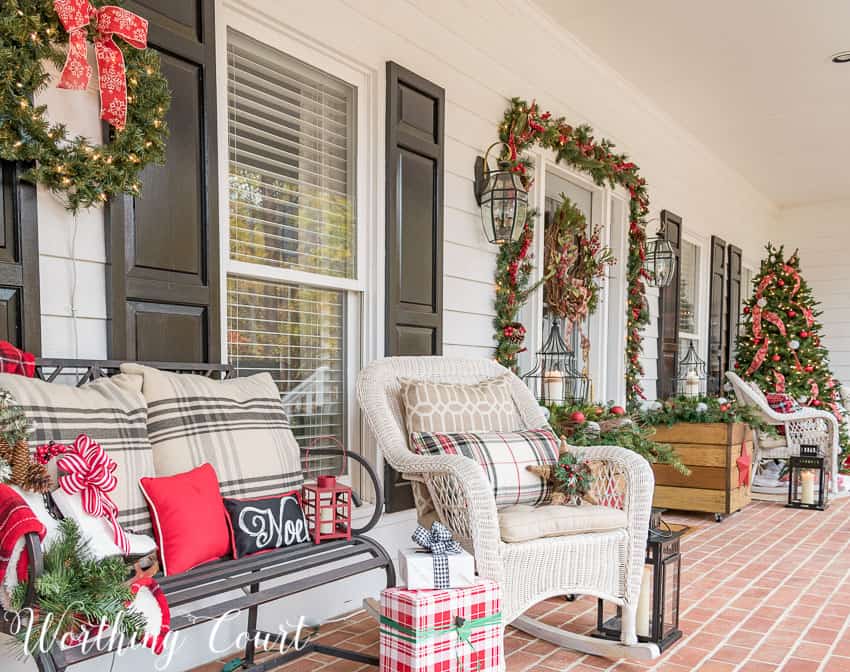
(503, 199)
(690, 373)
(808, 479)
(658, 604)
(660, 260)
(555, 379)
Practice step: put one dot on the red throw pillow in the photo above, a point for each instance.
(189, 518)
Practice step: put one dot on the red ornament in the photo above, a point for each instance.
(792, 313)
(804, 334)
(776, 358)
(746, 310)
(809, 368)
(780, 282)
(724, 407)
(618, 410)
(816, 402)
(578, 417)
(327, 509)
(737, 365)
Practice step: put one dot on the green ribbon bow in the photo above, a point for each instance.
(460, 626)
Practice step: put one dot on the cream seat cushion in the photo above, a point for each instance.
(524, 522)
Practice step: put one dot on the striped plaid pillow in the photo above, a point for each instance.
(503, 456)
(782, 403)
(238, 426)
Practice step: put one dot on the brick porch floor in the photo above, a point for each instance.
(767, 589)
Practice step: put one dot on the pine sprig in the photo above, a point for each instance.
(75, 590)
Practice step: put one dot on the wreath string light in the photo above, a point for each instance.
(81, 172)
(524, 125)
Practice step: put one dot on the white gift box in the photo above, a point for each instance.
(416, 569)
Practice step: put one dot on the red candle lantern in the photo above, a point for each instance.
(327, 508)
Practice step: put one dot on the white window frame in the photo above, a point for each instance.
(607, 327)
(364, 315)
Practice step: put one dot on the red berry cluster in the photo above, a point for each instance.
(46, 452)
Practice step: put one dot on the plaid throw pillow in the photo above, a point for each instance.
(503, 456)
(238, 426)
(782, 403)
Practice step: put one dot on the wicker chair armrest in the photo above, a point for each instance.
(465, 502)
(629, 483)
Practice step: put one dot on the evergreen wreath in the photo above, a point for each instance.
(523, 125)
(85, 174)
(573, 260)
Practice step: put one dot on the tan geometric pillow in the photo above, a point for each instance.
(238, 426)
(451, 407)
(113, 412)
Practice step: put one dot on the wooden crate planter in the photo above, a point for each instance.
(710, 451)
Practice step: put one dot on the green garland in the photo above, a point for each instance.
(599, 425)
(75, 591)
(703, 409)
(85, 173)
(513, 286)
(523, 125)
(573, 475)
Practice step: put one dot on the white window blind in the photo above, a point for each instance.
(292, 168)
(291, 147)
(297, 335)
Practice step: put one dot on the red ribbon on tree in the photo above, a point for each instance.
(790, 270)
(76, 15)
(91, 472)
(761, 355)
(780, 381)
(776, 321)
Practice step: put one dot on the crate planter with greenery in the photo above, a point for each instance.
(709, 436)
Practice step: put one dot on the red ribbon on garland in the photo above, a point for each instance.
(780, 381)
(91, 472)
(75, 16)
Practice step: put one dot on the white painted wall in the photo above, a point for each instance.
(820, 231)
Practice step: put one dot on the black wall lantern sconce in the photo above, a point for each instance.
(660, 262)
(503, 199)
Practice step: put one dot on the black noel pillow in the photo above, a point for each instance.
(265, 523)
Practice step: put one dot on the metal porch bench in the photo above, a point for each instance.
(245, 575)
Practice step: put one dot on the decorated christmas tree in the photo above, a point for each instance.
(780, 346)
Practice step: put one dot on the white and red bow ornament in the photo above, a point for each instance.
(90, 472)
(75, 16)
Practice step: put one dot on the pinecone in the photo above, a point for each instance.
(26, 473)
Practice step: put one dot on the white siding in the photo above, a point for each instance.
(821, 232)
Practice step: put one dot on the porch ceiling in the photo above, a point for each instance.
(752, 80)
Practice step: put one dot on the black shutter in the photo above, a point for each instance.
(668, 317)
(20, 304)
(415, 131)
(716, 314)
(164, 247)
(733, 302)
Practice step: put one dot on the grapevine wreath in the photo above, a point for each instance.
(133, 92)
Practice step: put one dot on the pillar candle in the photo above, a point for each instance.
(553, 387)
(807, 483)
(327, 514)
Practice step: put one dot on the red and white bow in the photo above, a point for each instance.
(109, 20)
(90, 472)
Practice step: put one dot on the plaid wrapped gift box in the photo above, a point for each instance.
(455, 630)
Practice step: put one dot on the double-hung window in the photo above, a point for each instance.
(689, 305)
(292, 231)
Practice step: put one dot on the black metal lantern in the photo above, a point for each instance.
(555, 378)
(660, 261)
(658, 604)
(503, 200)
(808, 482)
(690, 373)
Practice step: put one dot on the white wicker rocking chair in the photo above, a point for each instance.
(604, 564)
(808, 426)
